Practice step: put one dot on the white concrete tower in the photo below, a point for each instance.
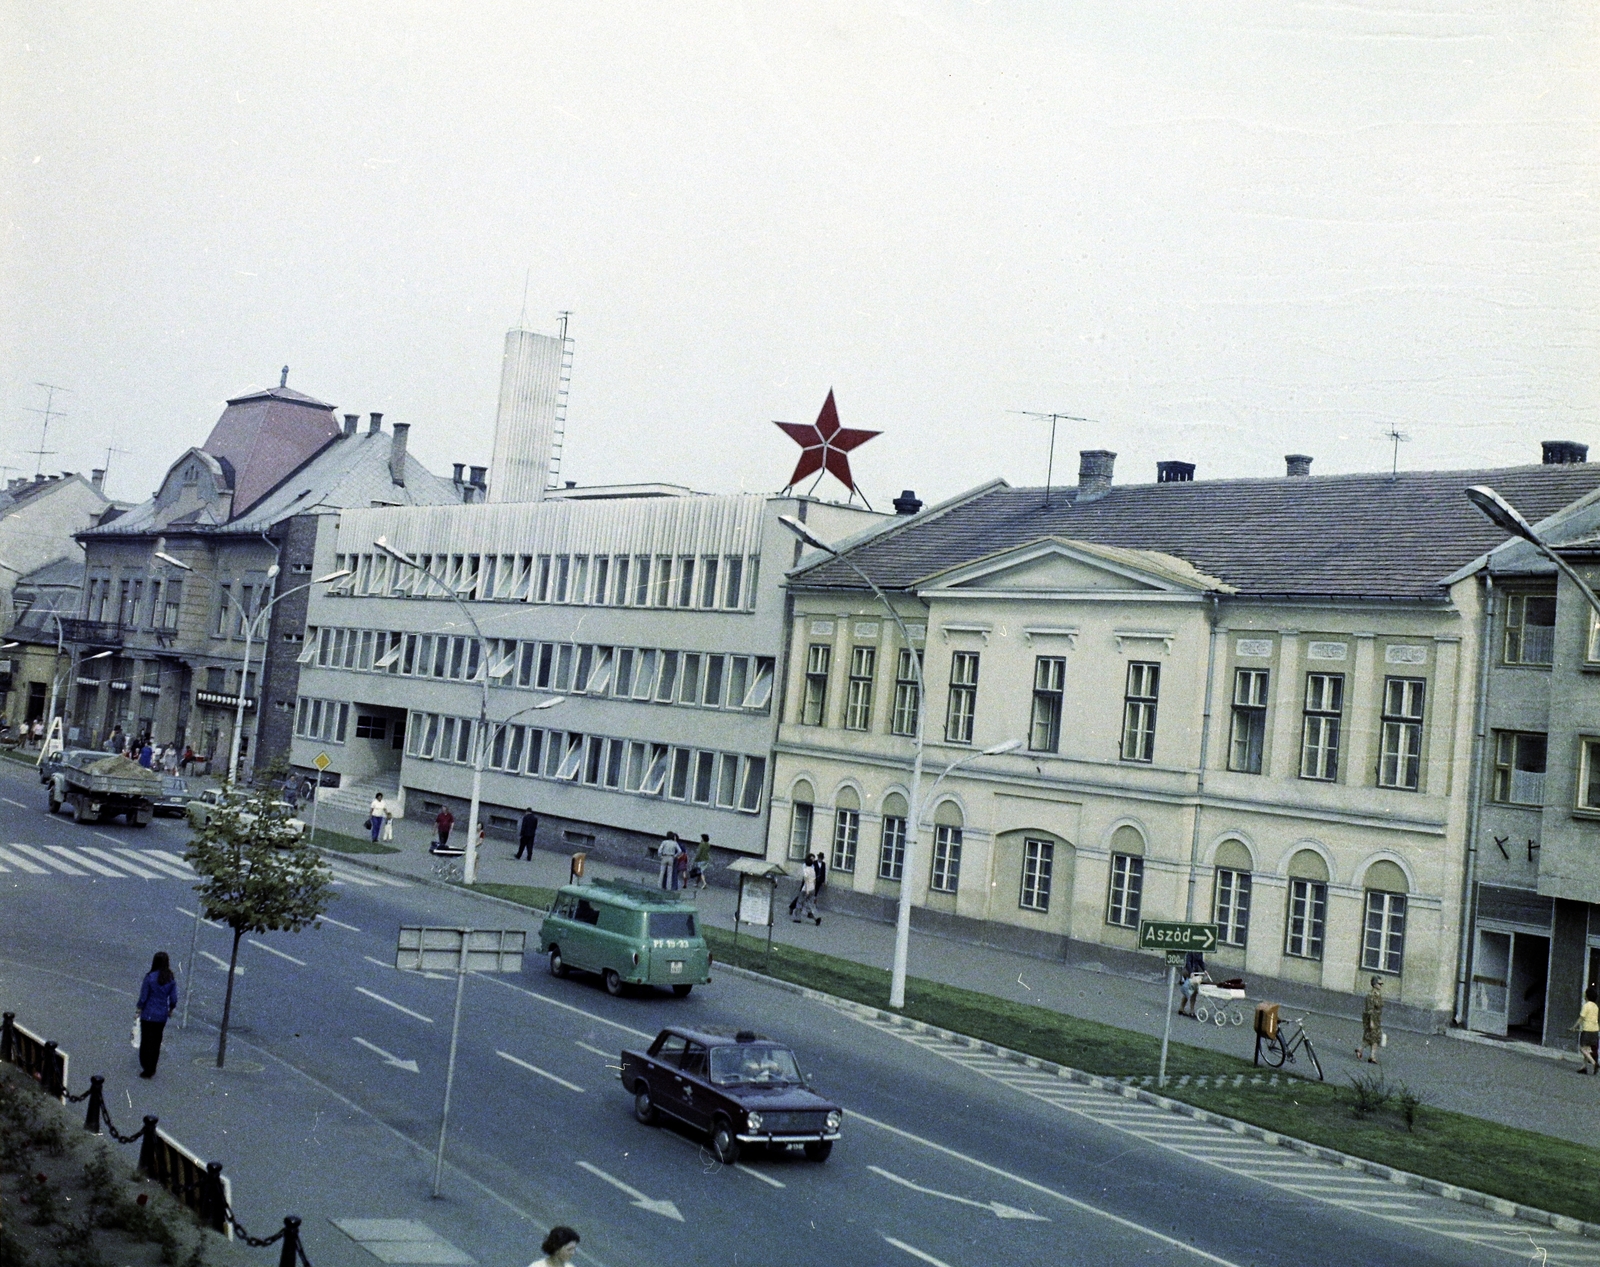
(528, 426)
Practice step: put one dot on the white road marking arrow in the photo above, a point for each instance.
(410, 1066)
(998, 1208)
(639, 1199)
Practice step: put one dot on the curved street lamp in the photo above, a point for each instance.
(1498, 511)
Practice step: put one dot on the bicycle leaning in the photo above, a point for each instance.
(1280, 1048)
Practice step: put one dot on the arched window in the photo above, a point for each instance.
(1127, 877)
(802, 809)
(1231, 904)
(1308, 905)
(846, 828)
(947, 823)
(892, 838)
(1383, 941)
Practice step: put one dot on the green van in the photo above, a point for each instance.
(628, 933)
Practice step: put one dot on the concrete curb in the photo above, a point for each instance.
(1401, 1178)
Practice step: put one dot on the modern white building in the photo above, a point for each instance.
(656, 615)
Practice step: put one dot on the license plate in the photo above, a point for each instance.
(675, 967)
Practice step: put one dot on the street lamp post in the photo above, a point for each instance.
(469, 870)
(1504, 515)
(908, 866)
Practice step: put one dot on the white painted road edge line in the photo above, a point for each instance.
(261, 945)
(361, 989)
(1076, 1204)
(545, 998)
(543, 1073)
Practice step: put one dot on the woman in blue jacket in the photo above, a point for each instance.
(157, 997)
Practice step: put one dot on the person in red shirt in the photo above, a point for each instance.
(443, 823)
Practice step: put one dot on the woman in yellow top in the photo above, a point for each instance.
(1589, 1031)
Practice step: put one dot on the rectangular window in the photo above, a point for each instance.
(542, 591)
(572, 759)
(846, 834)
(732, 579)
(600, 676)
(1038, 859)
(645, 682)
(1589, 775)
(1232, 913)
(713, 695)
(224, 608)
(535, 750)
(1383, 946)
(614, 750)
(1049, 684)
(641, 580)
(526, 658)
(689, 687)
(555, 753)
(708, 581)
(1127, 887)
(633, 777)
(946, 859)
(602, 579)
(656, 774)
(1530, 628)
(1139, 712)
(727, 780)
(1400, 760)
(705, 764)
(1249, 721)
(1308, 912)
(754, 573)
(963, 702)
(892, 847)
(904, 721)
(370, 727)
(622, 590)
(1519, 768)
(681, 761)
(669, 677)
(661, 594)
(155, 603)
(738, 679)
(624, 673)
(580, 680)
(580, 579)
(447, 739)
(760, 693)
(173, 605)
(755, 781)
(408, 659)
(858, 701)
(800, 815)
(813, 705)
(685, 582)
(564, 658)
(596, 760)
(1319, 743)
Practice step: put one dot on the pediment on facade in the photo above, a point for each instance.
(1059, 566)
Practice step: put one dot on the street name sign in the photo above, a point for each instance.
(1158, 935)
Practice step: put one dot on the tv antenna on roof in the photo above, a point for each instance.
(1396, 438)
(105, 473)
(48, 414)
(1050, 464)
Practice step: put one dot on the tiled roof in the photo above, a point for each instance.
(265, 435)
(1333, 535)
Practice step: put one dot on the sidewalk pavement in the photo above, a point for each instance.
(1534, 1088)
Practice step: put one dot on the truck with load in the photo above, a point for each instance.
(99, 786)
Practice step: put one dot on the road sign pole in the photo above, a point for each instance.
(1166, 1032)
(188, 972)
(450, 1069)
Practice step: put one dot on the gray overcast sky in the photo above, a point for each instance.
(1224, 231)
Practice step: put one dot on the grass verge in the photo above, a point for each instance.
(1522, 1166)
(340, 843)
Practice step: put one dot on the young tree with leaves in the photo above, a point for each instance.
(258, 875)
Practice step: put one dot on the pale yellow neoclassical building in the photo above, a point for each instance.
(1247, 702)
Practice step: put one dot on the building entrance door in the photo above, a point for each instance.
(1530, 977)
(1491, 972)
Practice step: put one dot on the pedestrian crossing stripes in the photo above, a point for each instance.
(1218, 1144)
(91, 862)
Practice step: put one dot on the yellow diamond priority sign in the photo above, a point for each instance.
(322, 761)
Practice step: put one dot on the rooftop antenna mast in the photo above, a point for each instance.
(1050, 464)
(48, 414)
(105, 473)
(1396, 438)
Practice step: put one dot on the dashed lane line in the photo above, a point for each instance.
(261, 945)
(398, 1007)
(18, 804)
(567, 1007)
(543, 1073)
(209, 923)
(328, 919)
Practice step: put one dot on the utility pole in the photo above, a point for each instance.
(1050, 463)
(48, 414)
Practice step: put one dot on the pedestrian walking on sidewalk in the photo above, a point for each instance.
(559, 1248)
(702, 861)
(667, 855)
(1589, 1031)
(806, 899)
(1372, 1024)
(527, 832)
(388, 822)
(158, 996)
(442, 825)
(375, 816)
(1194, 967)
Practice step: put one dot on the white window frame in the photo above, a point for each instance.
(945, 876)
(1126, 894)
(1038, 867)
(1231, 907)
(1383, 933)
(846, 839)
(1307, 919)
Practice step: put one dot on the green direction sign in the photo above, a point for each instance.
(1155, 935)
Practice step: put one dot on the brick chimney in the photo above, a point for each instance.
(1174, 472)
(97, 477)
(477, 476)
(1094, 473)
(397, 451)
(1564, 452)
(376, 425)
(1298, 464)
(907, 503)
(350, 421)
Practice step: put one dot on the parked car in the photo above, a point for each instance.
(628, 933)
(742, 1090)
(200, 808)
(175, 795)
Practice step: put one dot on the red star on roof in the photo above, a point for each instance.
(824, 444)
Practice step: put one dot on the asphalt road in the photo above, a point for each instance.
(331, 1107)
